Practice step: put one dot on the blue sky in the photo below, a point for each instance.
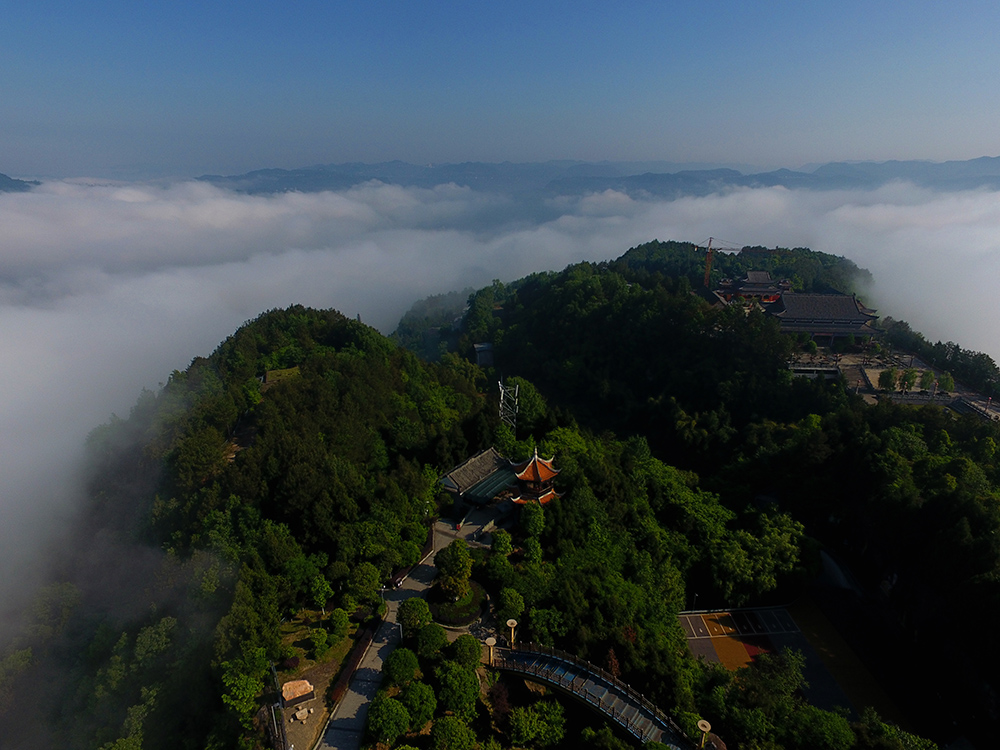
(182, 88)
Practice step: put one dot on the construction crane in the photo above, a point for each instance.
(708, 264)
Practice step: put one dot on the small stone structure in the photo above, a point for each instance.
(295, 692)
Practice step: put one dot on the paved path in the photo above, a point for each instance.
(347, 723)
(600, 690)
(345, 731)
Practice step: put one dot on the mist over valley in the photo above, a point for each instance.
(108, 287)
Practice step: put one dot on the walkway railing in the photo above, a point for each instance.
(508, 659)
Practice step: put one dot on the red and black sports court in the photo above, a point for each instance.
(836, 676)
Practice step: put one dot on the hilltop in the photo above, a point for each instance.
(290, 473)
(12, 185)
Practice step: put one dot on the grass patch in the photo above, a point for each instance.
(276, 376)
(296, 643)
(463, 612)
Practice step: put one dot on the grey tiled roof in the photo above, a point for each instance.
(476, 469)
(823, 314)
(832, 307)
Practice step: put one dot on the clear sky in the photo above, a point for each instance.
(179, 88)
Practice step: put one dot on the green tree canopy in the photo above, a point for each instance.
(511, 605)
(454, 564)
(532, 519)
(387, 719)
(467, 651)
(431, 639)
(540, 725)
(451, 733)
(501, 544)
(413, 614)
(419, 699)
(887, 379)
(459, 689)
(401, 666)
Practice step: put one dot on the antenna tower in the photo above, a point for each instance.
(508, 405)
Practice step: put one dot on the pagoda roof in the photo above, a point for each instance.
(549, 494)
(535, 469)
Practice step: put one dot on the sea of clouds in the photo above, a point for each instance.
(107, 288)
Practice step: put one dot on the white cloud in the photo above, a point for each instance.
(106, 288)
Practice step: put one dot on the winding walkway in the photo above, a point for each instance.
(345, 730)
(579, 678)
(596, 687)
(347, 722)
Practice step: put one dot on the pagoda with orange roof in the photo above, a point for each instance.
(535, 478)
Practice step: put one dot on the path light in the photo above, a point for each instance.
(705, 728)
(512, 623)
(491, 642)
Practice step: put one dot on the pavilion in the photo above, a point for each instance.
(535, 478)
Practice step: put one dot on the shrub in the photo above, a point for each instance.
(387, 719)
(451, 733)
(401, 666)
(419, 699)
(467, 651)
(430, 640)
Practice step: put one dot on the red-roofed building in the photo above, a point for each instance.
(535, 478)
(756, 286)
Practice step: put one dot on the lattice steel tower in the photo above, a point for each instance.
(508, 405)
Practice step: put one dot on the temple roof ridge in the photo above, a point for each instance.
(535, 469)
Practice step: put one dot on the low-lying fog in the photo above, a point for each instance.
(105, 288)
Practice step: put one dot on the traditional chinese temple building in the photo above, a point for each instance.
(535, 479)
(488, 476)
(480, 479)
(757, 286)
(822, 315)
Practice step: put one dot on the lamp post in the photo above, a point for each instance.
(705, 728)
(512, 623)
(491, 642)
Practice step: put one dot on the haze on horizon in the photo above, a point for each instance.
(150, 90)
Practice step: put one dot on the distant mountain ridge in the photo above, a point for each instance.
(13, 185)
(638, 179)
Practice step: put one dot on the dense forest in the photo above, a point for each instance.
(296, 467)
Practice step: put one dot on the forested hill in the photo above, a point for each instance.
(908, 497)
(13, 185)
(288, 474)
(807, 270)
(167, 606)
